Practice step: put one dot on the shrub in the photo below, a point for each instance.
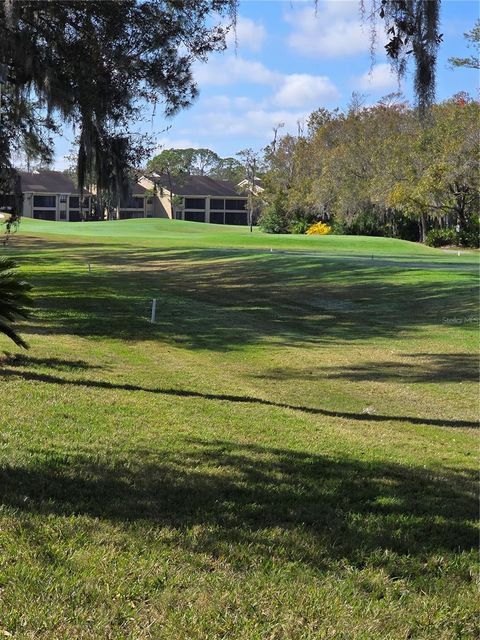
(441, 237)
(300, 226)
(319, 229)
(366, 223)
(301, 219)
(274, 219)
(469, 239)
(14, 300)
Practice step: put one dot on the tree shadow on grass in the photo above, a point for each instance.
(61, 364)
(228, 303)
(316, 508)
(186, 393)
(423, 367)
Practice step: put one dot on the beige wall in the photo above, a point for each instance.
(161, 203)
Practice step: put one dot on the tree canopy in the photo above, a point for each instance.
(93, 63)
(378, 170)
(201, 162)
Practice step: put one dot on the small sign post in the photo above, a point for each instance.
(154, 310)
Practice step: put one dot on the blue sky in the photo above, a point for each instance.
(289, 61)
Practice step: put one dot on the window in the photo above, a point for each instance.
(216, 203)
(132, 202)
(44, 215)
(63, 198)
(74, 202)
(194, 203)
(44, 201)
(74, 216)
(178, 215)
(235, 205)
(63, 215)
(127, 215)
(236, 218)
(195, 216)
(149, 200)
(217, 217)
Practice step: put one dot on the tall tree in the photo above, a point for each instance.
(228, 169)
(251, 161)
(92, 62)
(175, 161)
(200, 162)
(377, 169)
(440, 172)
(204, 162)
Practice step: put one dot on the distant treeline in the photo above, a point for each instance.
(200, 162)
(379, 170)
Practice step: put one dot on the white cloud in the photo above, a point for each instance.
(244, 103)
(218, 102)
(303, 90)
(226, 102)
(232, 69)
(297, 90)
(248, 34)
(335, 30)
(339, 8)
(287, 98)
(379, 77)
(257, 123)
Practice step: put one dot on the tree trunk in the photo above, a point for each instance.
(423, 227)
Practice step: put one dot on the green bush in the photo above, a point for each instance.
(366, 223)
(469, 238)
(302, 220)
(14, 300)
(441, 238)
(274, 219)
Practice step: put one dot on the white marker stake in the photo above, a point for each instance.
(154, 310)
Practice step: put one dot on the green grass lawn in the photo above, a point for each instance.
(289, 452)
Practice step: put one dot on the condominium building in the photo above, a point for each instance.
(197, 198)
(52, 195)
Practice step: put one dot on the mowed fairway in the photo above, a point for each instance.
(289, 452)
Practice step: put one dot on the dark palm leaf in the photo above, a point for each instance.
(14, 300)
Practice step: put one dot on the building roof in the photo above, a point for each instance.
(48, 182)
(136, 189)
(58, 182)
(197, 186)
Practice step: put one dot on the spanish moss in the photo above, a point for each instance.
(90, 63)
(413, 30)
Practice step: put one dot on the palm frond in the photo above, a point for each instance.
(14, 300)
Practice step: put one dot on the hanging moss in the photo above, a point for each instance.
(90, 63)
(413, 30)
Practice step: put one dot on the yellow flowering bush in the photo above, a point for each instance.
(319, 229)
